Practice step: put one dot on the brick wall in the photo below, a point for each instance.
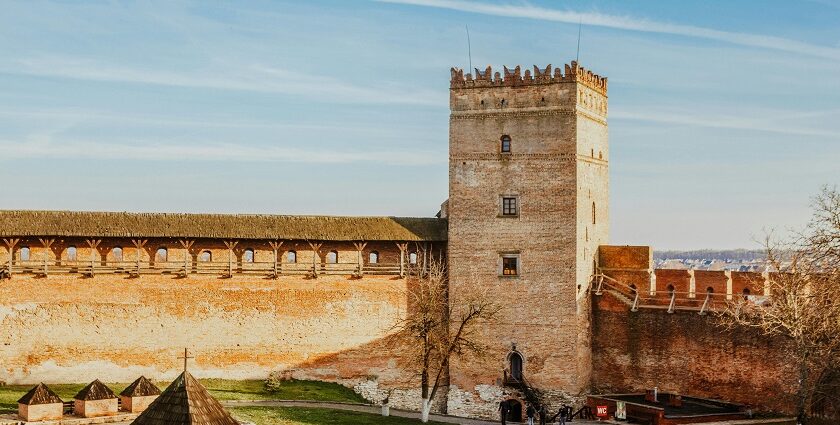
(67, 328)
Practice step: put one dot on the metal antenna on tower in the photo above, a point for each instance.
(577, 55)
(469, 46)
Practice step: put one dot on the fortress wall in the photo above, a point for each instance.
(687, 353)
(70, 329)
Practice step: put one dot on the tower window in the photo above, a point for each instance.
(593, 213)
(510, 265)
(505, 148)
(510, 206)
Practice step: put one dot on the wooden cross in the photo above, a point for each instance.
(186, 357)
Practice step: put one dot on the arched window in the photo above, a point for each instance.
(71, 253)
(25, 253)
(671, 290)
(516, 366)
(161, 255)
(291, 257)
(412, 258)
(633, 289)
(506, 144)
(332, 257)
(117, 253)
(373, 258)
(710, 290)
(205, 257)
(593, 213)
(746, 294)
(248, 255)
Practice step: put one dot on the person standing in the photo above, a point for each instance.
(503, 411)
(530, 412)
(543, 414)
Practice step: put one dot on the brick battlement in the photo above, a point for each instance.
(513, 77)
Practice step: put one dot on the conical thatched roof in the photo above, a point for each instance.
(185, 402)
(228, 226)
(40, 394)
(96, 390)
(141, 387)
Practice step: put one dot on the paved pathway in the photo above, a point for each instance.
(367, 408)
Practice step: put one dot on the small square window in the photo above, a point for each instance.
(510, 265)
(510, 206)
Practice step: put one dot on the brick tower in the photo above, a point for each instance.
(528, 208)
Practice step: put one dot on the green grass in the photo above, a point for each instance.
(307, 415)
(222, 389)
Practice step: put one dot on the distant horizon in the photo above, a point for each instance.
(724, 118)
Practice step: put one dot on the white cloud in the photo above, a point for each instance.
(255, 78)
(43, 146)
(629, 23)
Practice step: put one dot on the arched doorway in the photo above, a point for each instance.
(514, 413)
(516, 366)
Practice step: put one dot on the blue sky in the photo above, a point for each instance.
(724, 116)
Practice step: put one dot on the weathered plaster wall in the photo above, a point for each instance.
(72, 329)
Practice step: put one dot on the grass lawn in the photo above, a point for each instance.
(307, 415)
(222, 389)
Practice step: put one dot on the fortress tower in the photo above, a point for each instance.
(528, 207)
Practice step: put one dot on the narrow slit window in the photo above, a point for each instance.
(506, 144)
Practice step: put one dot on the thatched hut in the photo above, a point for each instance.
(40, 404)
(96, 399)
(139, 395)
(185, 402)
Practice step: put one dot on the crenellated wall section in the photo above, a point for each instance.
(672, 339)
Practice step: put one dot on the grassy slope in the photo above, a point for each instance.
(222, 389)
(306, 416)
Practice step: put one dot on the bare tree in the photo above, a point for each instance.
(803, 306)
(438, 328)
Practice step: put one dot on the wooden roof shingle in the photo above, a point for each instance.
(40, 394)
(96, 390)
(185, 402)
(141, 387)
(24, 223)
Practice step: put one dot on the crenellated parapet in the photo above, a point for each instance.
(514, 78)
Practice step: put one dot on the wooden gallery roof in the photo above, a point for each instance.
(16, 223)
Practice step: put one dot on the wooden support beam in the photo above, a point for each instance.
(403, 248)
(47, 243)
(230, 246)
(360, 246)
(93, 244)
(187, 244)
(139, 244)
(275, 246)
(10, 245)
(316, 251)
